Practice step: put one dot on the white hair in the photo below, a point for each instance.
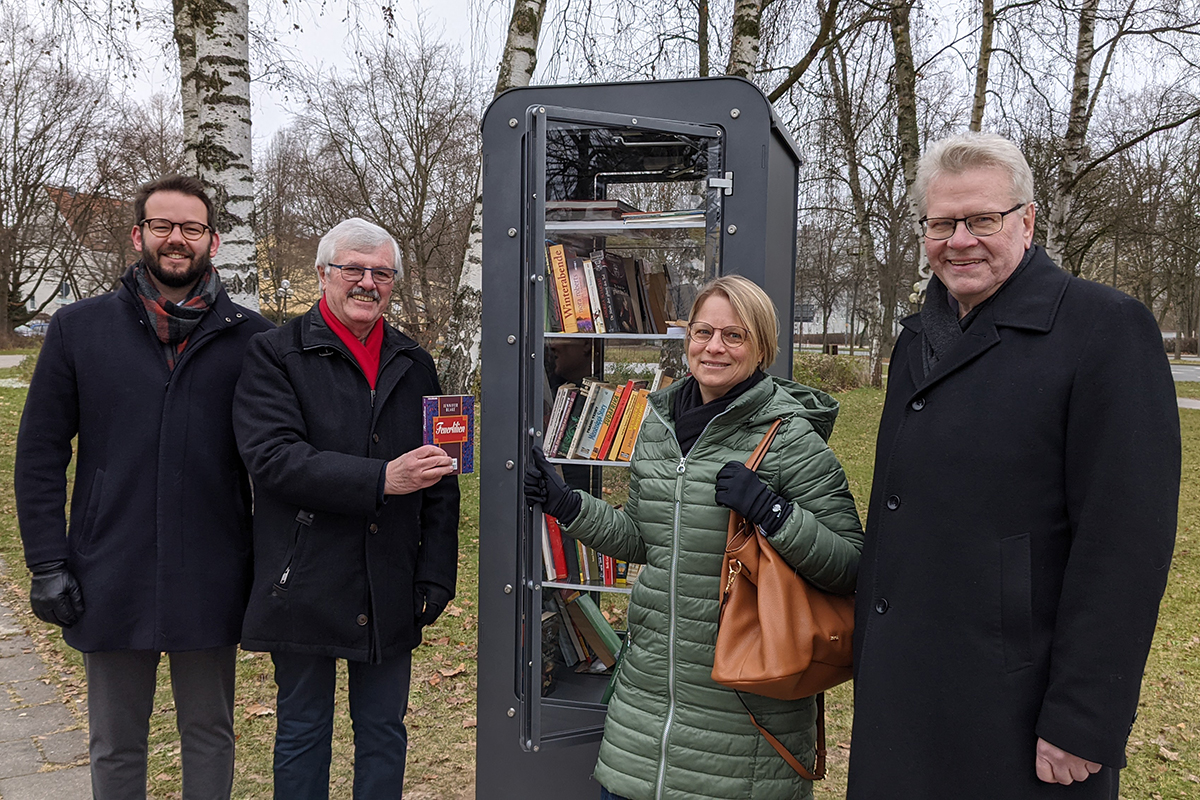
(970, 150)
(360, 236)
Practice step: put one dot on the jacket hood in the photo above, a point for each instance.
(771, 398)
(817, 407)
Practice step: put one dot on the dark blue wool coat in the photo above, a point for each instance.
(160, 514)
(1020, 531)
(315, 438)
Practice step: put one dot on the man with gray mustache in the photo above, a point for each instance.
(355, 521)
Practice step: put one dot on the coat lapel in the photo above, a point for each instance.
(1030, 303)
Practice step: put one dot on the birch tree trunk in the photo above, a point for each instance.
(1075, 138)
(458, 362)
(986, 30)
(910, 142)
(747, 33)
(214, 49)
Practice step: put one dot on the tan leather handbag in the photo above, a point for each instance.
(779, 635)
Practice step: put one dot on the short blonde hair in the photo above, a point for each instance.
(754, 309)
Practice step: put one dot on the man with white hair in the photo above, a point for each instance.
(1022, 516)
(355, 521)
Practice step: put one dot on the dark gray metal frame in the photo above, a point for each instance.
(757, 240)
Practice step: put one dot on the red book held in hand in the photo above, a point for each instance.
(450, 424)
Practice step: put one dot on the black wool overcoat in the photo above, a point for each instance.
(334, 568)
(1021, 526)
(160, 513)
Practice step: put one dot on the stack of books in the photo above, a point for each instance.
(575, 631)
(605, 292)
(599, 421)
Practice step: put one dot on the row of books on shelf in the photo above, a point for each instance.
(605, 292)
(575, 631)
(599, 421)
(568, 560)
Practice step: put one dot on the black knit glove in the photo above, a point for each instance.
(739, 488)
(429, 600)
(543, 485)
(54, 594)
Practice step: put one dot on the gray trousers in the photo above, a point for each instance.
(121, 687)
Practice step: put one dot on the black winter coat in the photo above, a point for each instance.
(160, 514)
(1021, 526)
(333, 568)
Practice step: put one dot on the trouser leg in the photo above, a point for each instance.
(304, 731)
(202, 681)
(378, 700)
(120, 699)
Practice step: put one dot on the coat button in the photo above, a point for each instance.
(918, 404)
(893, 502)
(373, 528)
(881, 606)
(375, 437)
(362, 619)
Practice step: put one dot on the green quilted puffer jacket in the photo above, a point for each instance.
(672, 732)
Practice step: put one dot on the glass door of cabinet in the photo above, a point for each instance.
(622, 224)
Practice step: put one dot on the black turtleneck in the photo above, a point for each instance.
(692, 414)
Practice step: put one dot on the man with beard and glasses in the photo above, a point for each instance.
(355, 520)
(157, 555)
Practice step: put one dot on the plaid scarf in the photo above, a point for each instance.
(174, 322)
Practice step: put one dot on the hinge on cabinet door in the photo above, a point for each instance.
(725, 183)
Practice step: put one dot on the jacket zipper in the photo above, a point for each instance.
(680, 468)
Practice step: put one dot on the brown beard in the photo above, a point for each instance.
(201, 263)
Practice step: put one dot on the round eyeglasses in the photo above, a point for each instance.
(354, 273)
(987, 224)
(189, 230)
(732, 336)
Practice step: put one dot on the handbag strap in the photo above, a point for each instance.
(761, 451)
(818, 772)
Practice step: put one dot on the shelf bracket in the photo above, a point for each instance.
(725, 183)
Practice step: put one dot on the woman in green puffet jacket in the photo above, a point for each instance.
(672, 732)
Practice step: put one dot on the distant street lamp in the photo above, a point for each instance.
(283, 293)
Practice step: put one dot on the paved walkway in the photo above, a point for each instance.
(1187, 402)
(43, 746)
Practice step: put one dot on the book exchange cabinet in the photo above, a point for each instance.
(606, 207)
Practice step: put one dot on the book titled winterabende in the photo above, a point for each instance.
(450, 424)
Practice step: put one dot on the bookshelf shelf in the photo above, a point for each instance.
(587, 462)
(672, 333)
(606, 227)
(587, 587)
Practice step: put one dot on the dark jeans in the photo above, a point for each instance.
(303, 738)
(605, 794)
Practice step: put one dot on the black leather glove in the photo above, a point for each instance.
(543, 485)
(54, 594)
(429, 600)
(739, 488)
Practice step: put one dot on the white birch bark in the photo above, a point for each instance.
(986, 29)
(458, 363)
(213, 39)
(747, 36)
(1076, 135)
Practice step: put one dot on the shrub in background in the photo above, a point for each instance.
(830, 373)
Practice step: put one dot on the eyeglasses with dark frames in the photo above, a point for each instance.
(732, 336)
(987, 224)
(162, 228)
(354, 273)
